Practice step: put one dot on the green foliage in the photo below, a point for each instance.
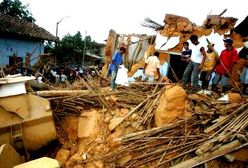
(71, 48)
(17, 9)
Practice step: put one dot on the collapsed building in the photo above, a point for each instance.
(160, 127)
(169, 41)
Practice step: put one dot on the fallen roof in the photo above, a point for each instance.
(17, 27)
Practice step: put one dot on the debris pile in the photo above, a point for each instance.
(206, 135)
(144, 124)
(220, 24)
(176, 25)
(135, 127)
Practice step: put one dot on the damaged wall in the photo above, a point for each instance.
(138, 47)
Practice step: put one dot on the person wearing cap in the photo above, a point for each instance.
(208, 69)
(228, 57)
(116, 62)
(197, 60)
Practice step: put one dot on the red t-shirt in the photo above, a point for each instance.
(227, 58)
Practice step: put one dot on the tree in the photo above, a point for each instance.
(71, 48)
(17, 9)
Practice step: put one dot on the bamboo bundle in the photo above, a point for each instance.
(176, 142)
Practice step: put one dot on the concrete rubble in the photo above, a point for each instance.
(113, 129)
(163, 126)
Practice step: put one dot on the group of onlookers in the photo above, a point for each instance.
(197, 63)
(210, 67)
(56, 74)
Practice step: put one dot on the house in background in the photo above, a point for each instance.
(20, 39)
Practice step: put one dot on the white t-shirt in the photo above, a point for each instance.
(152, 65)
(196, 55)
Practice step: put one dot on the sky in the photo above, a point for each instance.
(97, 17)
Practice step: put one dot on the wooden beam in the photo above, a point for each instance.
(224, 149)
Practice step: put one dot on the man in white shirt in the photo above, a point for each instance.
(151, 67)
(197, 60)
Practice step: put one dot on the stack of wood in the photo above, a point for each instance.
(216, 131)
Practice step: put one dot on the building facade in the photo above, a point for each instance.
(21, 41)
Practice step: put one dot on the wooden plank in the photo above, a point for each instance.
(224, 149)
(15, 79)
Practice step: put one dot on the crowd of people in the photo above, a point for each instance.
(211, 68)
(63, 73)
(201, 70)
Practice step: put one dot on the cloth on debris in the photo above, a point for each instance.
(224, 98)
(122, 77)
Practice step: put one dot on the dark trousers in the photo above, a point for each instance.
(205, 78)
(192, 68)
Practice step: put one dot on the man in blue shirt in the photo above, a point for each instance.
(116, 61)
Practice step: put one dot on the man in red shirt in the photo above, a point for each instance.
(227, 59)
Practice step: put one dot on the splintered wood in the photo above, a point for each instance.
(118, 128)
(184, 140)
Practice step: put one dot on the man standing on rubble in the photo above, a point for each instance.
(185, 58)
(208, 68)
(116, 62)
(197, 60)
(151, 67)
(228, 57)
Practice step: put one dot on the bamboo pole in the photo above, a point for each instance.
(224, 149)
(55, 93)
(133, 110)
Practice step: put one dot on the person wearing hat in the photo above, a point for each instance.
(116, 62)
(228, 57)
(208, 68)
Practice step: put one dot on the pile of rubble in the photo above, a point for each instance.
(143, 125)
(134, 126)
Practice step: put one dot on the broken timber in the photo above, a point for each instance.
(225, 149)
